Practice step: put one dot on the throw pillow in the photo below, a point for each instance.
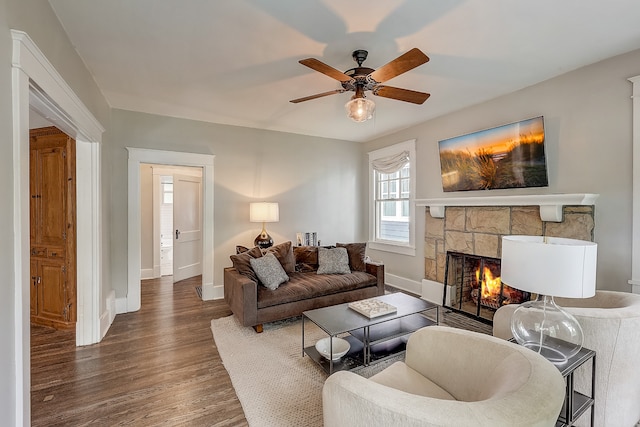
(269, 271)
(306, 258)
(242, 262)
(356, 253)
(333, 261)
(284, 254)
(241, 249)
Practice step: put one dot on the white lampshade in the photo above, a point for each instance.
(264, 212)
(549, 266)
(360, 109)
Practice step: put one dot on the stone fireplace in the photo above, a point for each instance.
(476, 288)
(477, 230)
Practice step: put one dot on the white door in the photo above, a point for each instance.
(187, 224)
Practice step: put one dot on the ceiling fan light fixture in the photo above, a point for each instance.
(360, 109)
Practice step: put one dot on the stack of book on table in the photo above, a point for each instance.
(372, 307)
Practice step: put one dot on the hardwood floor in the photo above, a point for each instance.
(158, 366)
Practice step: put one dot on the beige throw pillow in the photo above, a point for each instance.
(333, 261)
(269, 271)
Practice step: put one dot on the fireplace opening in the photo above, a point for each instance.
(476, 288)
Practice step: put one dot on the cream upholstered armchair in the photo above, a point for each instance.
(611, 325)
(450, 377)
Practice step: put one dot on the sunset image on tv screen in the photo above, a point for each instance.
(508, 156)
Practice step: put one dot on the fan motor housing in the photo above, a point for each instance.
(359, 77)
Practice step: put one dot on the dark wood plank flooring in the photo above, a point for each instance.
(157, 366)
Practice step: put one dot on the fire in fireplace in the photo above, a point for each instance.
(477, 289)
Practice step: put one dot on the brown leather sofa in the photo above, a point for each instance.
(254, 304)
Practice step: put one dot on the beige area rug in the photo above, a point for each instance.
(275, 384)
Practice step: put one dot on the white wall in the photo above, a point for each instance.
(315, 180)
(588, 125)
(7, 292)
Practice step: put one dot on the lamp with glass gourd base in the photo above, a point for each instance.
(548, 267)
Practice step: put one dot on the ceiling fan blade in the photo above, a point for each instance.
(325, 69)
(318, 95)
(401, 64)
(401, 94)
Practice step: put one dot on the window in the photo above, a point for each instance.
(167, 189)
(392, 205)
(392, 172)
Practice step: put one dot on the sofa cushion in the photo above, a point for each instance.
(306, 258)
(356, 253)
(269, 271)
(333, 261)
(284, 254)
(303, 286)
(241, 262)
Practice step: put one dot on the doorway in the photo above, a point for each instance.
(37, 86)
(52, 182)
(138, 156)
(170, 221)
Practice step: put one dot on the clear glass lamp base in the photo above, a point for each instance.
(545, 328)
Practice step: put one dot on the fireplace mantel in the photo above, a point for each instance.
(550, 204)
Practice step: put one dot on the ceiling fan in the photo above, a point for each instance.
(361, 79)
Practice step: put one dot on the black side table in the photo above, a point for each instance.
(576, 403)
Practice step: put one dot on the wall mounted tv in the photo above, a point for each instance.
(508, 156)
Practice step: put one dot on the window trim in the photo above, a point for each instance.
(387, 245)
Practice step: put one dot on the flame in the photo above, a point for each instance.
(490, 285)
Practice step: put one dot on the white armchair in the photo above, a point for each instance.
(450, 377)
(611, 325)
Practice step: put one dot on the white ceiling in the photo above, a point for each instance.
(236, 62)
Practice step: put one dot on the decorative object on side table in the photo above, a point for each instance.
(307, 239)
(263, 212)
(548, 266)
(372, 307)
(338, 347)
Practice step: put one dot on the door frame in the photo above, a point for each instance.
(170, 158)
(36, 84)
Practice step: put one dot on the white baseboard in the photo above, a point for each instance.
(121, 305)
(432, 291)
(211, 292)
(106, 319)
(403, 283)
(146, 273)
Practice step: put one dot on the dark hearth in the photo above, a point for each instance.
(478, 290)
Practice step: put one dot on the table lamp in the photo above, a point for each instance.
(548, 267)
(263, 212)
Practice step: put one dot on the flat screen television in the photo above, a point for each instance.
(508, 156)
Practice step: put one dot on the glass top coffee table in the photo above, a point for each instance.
(371, 339)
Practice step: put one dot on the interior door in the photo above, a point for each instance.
(187, 224)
